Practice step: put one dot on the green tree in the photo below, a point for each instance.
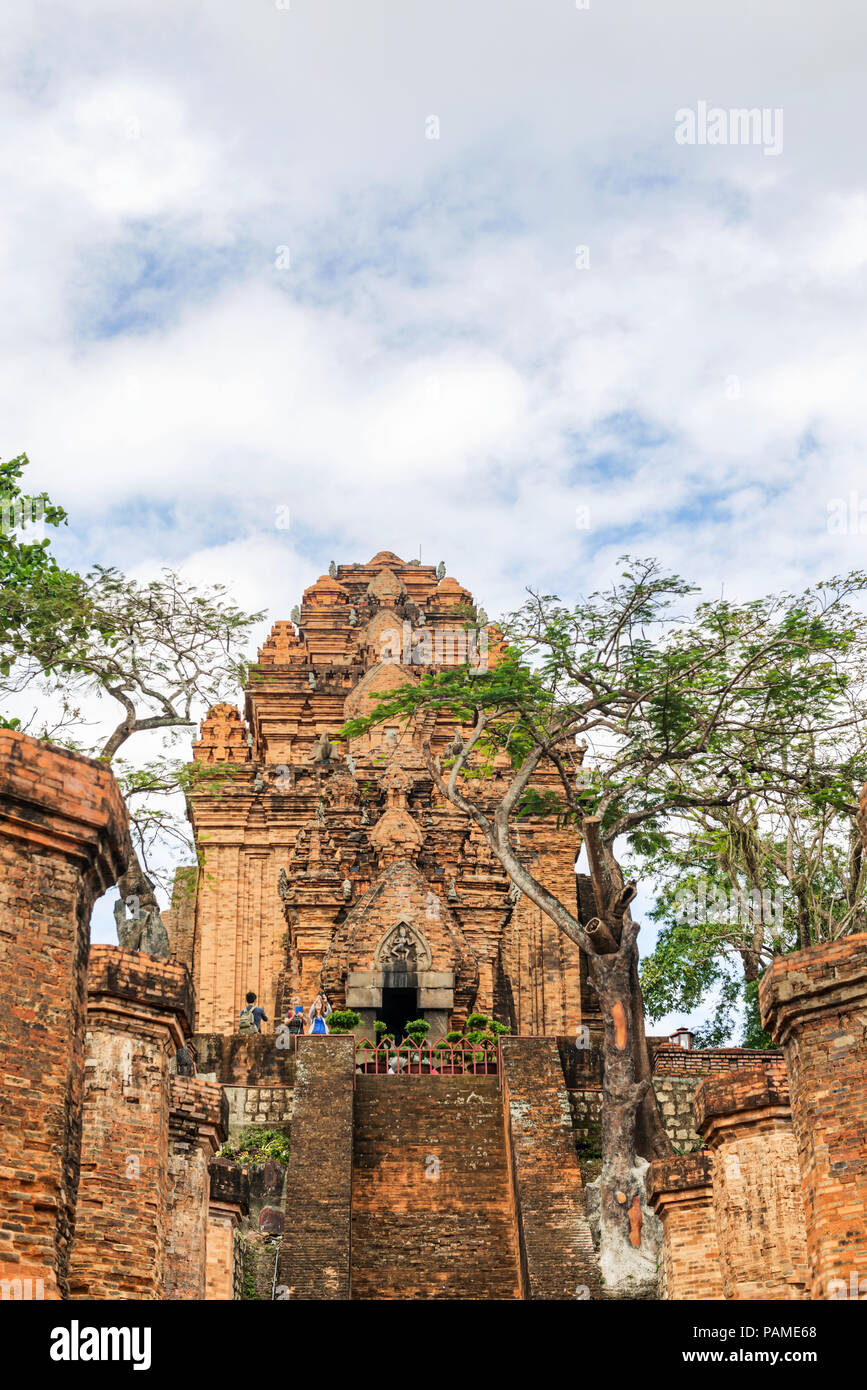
(42, 606)
(160, 653)
(740, 884)
(640, 712)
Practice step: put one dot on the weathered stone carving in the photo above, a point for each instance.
(321, 750)
(144, 931)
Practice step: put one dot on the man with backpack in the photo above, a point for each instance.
(252, 1015)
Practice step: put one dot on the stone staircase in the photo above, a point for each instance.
(432, 1209)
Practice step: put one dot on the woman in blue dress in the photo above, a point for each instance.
(318, 1024)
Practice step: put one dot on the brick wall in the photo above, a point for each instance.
(814, 1002)
(63, 841)
(680, 1191)
(139, 1010)
(745, 1120)
(314, 1257)
(699, 1062)
(197, 1125)
(244, 1059)
(229, 1185)
(556, 1246)
(432, 1208)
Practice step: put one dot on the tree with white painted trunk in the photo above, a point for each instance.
(641, 713)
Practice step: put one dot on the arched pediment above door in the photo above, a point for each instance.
(403, 948)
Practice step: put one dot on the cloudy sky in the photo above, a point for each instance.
(440, 279)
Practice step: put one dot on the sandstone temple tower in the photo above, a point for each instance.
(339, 864)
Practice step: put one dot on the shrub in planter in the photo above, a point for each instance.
(473, 1037)
(498, 1028)
(366, 1044)
(477, 1022)
(444, 1045)
(380, 1028)
(417, 1029)
(453, 1036)
(343, 1020)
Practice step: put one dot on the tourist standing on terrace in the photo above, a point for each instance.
(318, 1024)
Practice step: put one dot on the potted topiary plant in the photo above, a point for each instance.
(414, 1033)
(417, 1029)
(343, 1020)
(477, 1022)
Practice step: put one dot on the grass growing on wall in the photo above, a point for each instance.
(256, 1146)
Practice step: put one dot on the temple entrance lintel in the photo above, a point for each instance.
(436, 988)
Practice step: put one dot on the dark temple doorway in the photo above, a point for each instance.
(399, 1006)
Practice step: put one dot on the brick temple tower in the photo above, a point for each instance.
(340, 863)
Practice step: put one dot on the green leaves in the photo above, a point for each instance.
(42, 607)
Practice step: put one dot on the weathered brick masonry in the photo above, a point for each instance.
(314, 1256)
(681, 1193)
(227, 1204)
(63, 841)
(139, 1010)
(556, 1247)
(432, 1206)
(745, 1120)
(370, 859)
(198, 1123)
(814, 1002)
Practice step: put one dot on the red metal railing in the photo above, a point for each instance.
(418, 1059)
(427, 1059)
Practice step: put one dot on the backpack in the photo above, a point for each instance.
(247, 1023)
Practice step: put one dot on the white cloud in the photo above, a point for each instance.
(433, 369)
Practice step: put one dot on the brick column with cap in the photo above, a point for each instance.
(229, 1201)
(198, 1124)
(139, 1010)
(680, 1191)
(63, 842)
(814, 1002)
(745, 1120)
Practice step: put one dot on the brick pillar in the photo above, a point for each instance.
(198, 1123)
(314, 1257)
(745, 1120)
(556, 1247)
(680, 1192)
(229, 1201)
(814, 1002)
(139, 1009)
(63, 841)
